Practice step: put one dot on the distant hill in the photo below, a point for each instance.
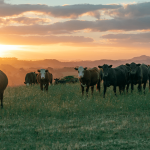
(17, 69)
(53, 63)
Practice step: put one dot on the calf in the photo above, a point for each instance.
(88, 78)
(138, 75)
(44, 78)
(3, 85)
(114, 77)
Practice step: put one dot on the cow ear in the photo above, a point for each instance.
(100, 66)
(38, 70)
(85, 68)
(46, 70)
(138, 64)
(110, 66)
(76, 68)
(127, 64)
(24, 82)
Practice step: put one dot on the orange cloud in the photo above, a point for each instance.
(24, 20)
(40, 40)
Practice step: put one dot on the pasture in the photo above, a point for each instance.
(63, 119)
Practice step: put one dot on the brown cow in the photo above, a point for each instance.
(44, 78)
(88, 78)
(3, 85)
(30, 78)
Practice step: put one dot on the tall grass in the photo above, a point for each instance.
(62, 119)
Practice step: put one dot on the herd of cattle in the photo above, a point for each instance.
(121, 76)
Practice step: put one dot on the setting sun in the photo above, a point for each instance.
(6, 48)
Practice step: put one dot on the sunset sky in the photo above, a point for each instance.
(74, 30)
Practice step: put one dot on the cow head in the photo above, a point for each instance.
(42, 73)
(133, 68)
(81, 71)
(105, 68)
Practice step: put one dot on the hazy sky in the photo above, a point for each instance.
(71, 30)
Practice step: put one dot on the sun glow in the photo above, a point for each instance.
(6, 48)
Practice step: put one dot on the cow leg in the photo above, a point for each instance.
(47, 84)
(144, 86)
(123, 88)
(104, 91)
(127, 87)
(92, 89)
(114, 90)
(82, 88)
(98, 86)
(132, 87)
(1, 97)
(87, 89)
(41, 85)
(139, 86)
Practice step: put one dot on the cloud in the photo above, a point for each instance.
(77, 25)
(24, 20)
(66, 11)
(128, 38)
(41, 40)
(131, 11)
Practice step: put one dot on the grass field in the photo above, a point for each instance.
(63, 119)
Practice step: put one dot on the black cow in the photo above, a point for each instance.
(126, 71)
(138, 75)
(114, 77)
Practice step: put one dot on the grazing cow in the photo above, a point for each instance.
(138, 75)
(113, 76)
(3, 85)
(57, 81)
(30, 78)
(74, 80)
(44, 78)
(88, 78)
